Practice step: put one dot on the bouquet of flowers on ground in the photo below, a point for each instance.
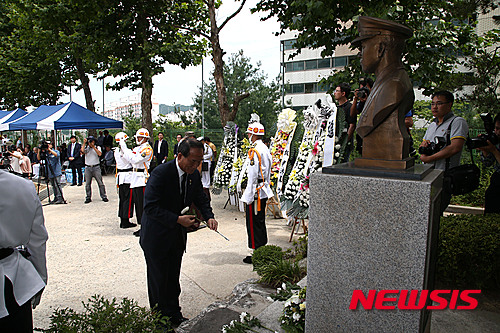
(294, 313)
(226, 158)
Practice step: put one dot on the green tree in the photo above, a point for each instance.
(241, 76)
(150, 36)
(442, 32)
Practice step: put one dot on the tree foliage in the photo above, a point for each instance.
(150, 35)
(443, 30)
(240, 76)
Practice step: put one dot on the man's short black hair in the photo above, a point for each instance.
(161, 133)
(345, 88)
(187, 144)
(496, 119)
(207, 139)
(71, 137)
(366, 81)
(178, 134)
(446, 94)
(106, 132)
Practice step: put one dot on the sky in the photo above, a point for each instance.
(177, 86)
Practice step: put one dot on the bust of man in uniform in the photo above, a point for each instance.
(381, 124)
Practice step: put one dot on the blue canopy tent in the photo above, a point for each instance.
(57, 117)
(8, 116)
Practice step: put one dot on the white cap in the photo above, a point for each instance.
(256, 129)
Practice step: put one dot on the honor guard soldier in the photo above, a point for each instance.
(258, 188)
(123, 170)
(140, 158)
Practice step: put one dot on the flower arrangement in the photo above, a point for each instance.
(297, 175)
(226, 158)
(244, 146)
(247, 323)
(281, 141)
(294, 313)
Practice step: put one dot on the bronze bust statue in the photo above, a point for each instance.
(381, 124)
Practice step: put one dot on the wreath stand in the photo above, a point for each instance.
(299, 221)
(273, 206)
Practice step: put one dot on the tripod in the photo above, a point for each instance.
(45, 167)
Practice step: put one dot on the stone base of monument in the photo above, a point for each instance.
(370, 230)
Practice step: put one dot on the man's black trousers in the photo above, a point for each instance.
(256, 224)
(492, 195)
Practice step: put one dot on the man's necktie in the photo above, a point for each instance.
(183, 187)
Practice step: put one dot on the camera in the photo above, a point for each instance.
(362, 92)
(482, 139)
(433, 147)
(43, 145)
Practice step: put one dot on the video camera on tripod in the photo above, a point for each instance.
(6, 148)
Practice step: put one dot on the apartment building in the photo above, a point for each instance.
(122, 107)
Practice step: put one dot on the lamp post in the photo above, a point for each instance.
(202, 102)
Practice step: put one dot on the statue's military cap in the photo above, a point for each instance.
(369, 27)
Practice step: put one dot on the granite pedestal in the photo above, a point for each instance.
(370, 233)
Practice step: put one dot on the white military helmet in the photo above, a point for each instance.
(121, 136)
(256, 129)
(141, 132)
(6, 142)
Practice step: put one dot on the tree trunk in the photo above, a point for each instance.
(146, 105)
(217, 54)
(82, 75)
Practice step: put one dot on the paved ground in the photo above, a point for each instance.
(88, 254)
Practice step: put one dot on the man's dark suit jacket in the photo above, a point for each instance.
(163, 151)
(107, 141)
(162, 206)
(78, 161)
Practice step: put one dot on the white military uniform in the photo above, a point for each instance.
(140, 159)
(22, 223)
(207, 157)
(122, 163)
(256, 179)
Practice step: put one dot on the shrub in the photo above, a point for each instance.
(299, 249)
(264, 255)
(277, 272)
(104, 316)
(469, 251)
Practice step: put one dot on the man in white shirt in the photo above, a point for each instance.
(205, 166)
(92, 153)
(21, 280)
(258, 188)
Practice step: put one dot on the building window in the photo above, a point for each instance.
(288, 67)
(298, 66)
(324, 63)
(310, 88)
(311, 64)
(288, 44)
(321, 87)
(340, 61)
(297, 88)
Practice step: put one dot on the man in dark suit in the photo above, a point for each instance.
(75, 160)
(107, 140)
(172, 187)
(160, 150)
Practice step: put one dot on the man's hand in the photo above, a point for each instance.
(85, 140)
(490, 148)
(425, 158)
(425, 143)
(212, 224)
(92, 144)
(186, 220)
(71, 158)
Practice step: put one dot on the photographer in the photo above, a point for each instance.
(92, 153)
(360, 97)
(15, 160)
(491, 156)
(444, 139)
(51, 157)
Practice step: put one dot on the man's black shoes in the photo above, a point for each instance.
(176, 321)
(87, 200)
(127, 225)
(247, 260)
(105, 199)
(137, 233)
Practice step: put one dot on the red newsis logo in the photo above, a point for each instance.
(413, 299)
